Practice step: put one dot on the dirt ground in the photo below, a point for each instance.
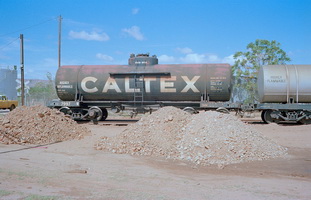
(75, 170)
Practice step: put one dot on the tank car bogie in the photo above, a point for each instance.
(277, 116)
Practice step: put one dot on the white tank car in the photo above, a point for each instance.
(284, 84)
(285, 93)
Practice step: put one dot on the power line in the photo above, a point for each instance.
(29, 27)
(9, 43)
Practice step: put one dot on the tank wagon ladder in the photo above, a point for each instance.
(139, 88)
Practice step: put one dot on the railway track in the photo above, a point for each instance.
(252, 120)
(113, 122)
(126, 122)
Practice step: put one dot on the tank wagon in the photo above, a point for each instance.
(285, 93)
(87, 91)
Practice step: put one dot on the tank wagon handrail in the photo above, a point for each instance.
(139, 73)
(77, 96)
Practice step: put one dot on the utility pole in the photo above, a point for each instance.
(22, 69)
(59, 39)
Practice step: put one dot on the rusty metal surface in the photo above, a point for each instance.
(144, 80)
(185, 82)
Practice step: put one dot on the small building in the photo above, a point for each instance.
(8, 83)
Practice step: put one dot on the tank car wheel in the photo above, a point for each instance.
(263, 116)
(266, 117)
(190, 110)
(222, 110)
(105, 114)
(95, 113)
(65, 110)
(12, 107)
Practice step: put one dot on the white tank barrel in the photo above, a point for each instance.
(284, 84)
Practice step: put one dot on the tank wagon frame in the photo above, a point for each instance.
(98, 110)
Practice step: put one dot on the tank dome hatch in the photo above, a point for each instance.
(142, 60)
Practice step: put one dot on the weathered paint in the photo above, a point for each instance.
(185, 82)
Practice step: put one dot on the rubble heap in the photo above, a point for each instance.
(154, 134)
(217, 138)
(205, 138)
(38, 125)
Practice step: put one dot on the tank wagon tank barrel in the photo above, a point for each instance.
(159, 82)
(284, 84)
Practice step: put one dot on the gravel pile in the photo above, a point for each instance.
(205, 138)
(38, 125)
(216, 138)
(154, 134)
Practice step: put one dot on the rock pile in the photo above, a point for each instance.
(38, 125)
(154, 134)
(206, 138)
(216, 138)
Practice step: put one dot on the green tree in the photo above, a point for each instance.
(43, 91)
(248, 63)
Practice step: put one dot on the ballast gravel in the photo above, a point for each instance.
(202, 139)
(38, 125)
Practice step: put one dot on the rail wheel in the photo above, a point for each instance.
(65, 110)
(105, 114)
(222, 110)
(190, 110)
(263, 116)
(95, 113)
(266, 117)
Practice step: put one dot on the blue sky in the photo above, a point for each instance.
(101, 32)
